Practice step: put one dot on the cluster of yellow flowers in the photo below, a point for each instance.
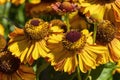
(69, 42)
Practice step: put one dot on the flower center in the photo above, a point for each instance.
(35, 22)
(36, 29)
(105, 1)
(9, 63)
(73, 36)
(105, 32)
(74, 41)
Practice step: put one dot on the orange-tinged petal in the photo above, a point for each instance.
(114, 49)
(16, 32)
(26, 73)
(70, 64)
(15, 76)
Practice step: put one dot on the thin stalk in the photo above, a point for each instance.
(65, 18)
(94, 40)
(95, 32)
(88, 75)
(78, 73)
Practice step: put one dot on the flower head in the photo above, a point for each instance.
(2, 29)
(74, 49)
(29, 43)
(3, 2)
(105, 32)
(59, 23)
(106, 35)
(16, 2)
(64, 7)
(34, 1)
(102, 9)
(11, 68)
(36, 29)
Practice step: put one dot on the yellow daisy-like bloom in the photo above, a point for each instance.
(107, 35)
(30, 43)
(72, 49)
(2, 29)
(17, 2)
(102, 9)
(34, 1)
(35, 10)
(12, 69)
(3, 2)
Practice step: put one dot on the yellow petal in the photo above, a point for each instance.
(55, 38)
(81, 64)
(24, 54)
(96, 49)
(88, 59)
(31, 47)
(56, 29)
(34, 1)
(35, 52)
(70, 64)
(2, 28)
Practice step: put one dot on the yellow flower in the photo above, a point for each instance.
(114, 49)
(1, 29)
(35, 10)
(30, 43)
(77, 21)
(34, 1)
(12, 69)
(2, 1)
(17, 2)
(102, 9)
(107, 35)
(72, 49)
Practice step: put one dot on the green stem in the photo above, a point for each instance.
(65, 18)
(78, 73)
(95, 32)
(88, 75)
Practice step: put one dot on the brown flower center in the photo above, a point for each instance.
(36, 29)
(9, 63)
(105, 1)
(35, 22)
(105, 32)
(74, 41)
(73, 36)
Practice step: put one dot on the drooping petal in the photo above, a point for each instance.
(26, 73)
(114, 49)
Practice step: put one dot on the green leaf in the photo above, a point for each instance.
(106, 73)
